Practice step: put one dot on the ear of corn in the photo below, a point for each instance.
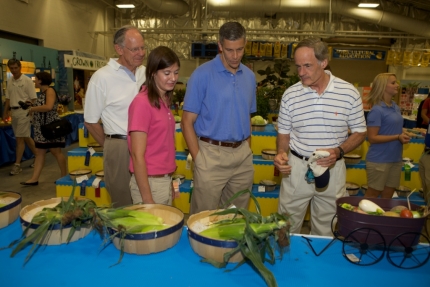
(124, 221)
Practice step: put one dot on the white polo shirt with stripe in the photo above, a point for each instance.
(320, 121)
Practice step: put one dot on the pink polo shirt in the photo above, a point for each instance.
(159, 125)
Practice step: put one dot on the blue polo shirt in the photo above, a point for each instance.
(390, 122)
(223, 101)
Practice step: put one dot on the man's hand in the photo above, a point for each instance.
(331, 159)
(281, 163)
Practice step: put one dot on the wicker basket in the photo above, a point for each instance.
(10, 207)
(268, 154)
(351, 158)
(258, 128)
(352, 188)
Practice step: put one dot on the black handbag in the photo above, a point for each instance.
(56, 129)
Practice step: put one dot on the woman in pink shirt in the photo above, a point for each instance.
(151, 130)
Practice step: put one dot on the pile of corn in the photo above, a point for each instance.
(130, 221)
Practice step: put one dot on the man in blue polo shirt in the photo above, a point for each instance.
(220, 97)
(315, 115)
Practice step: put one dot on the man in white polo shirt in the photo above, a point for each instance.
(315, 115)
(109, 94)
(20, 88)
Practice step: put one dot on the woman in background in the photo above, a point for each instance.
(386, 137)
(44, 112)
(151, 130)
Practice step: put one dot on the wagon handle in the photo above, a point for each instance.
(324, 249)
(409, 204)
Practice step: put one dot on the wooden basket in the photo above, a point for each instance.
(156, 241)
(207, 247)
(58, 234)
(352, 158)
(258, 128)
(268, 154)
(10, 212)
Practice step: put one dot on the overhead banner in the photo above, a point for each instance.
(83, 63)
(358, 54)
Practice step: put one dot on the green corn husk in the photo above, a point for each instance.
(258, 237)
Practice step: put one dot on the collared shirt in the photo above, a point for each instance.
(159, 125)
(109, 94)
(320, 121)
(222, 100)
(21, 89)
(390, 122)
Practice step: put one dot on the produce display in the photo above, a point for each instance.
(258, 237)
(366, 206)
(178, 119)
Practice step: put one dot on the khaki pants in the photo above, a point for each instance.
(117, 176)
(161, 190)
(296, 194)
(424, 169)
(219, 173)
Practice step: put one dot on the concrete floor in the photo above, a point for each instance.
(30, 194)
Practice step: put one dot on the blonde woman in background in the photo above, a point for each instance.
(386, 137)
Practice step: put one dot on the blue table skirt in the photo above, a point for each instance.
(181, 267)
(8, 141)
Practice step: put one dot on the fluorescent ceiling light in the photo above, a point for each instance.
(124, 6)
(368, 5)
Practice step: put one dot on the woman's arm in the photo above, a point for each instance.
(138, 147)
(374, 137)
(50, 99)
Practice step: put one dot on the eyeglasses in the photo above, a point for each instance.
(136, 50)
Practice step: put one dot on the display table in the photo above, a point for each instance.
(181, 267)
(8, 141)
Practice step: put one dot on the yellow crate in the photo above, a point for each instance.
(83, 141)
(180, 143)
(76, 160)
(183, 202)
(64, 187)
(258, 143)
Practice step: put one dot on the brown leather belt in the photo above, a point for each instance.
(225, 144)
(121, 137)
(14, 108)
(160, 175)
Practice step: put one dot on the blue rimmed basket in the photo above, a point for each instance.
(154, 241)
(10, 211)
(207, 247)
(58, 233)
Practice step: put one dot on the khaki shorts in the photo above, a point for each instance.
(21, 123)
(380, 175)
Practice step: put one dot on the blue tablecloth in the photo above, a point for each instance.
(180, 266)
(8, 141)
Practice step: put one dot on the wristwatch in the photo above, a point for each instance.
(341, 152)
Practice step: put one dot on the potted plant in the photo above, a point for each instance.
(277, 81)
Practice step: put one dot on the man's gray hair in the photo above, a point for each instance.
(119, 36)
(320, 48)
